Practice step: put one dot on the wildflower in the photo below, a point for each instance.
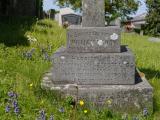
(109, 102)
(28, 55)
(51, 117)
(125, 117)
(15, 95)
(81, 103)
(135, 118)
(46, 56)
(42, 115)
(31, 38)
(8, 108)
(85, 111)
(145, 112)
(31, 85)
(16, 110)
(11, 94)
(15, 104)
(61, 110)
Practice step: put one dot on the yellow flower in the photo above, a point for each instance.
(109, 102)
(85, 111)
(31, 85)
(81, 102)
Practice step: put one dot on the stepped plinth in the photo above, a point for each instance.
(95, 67)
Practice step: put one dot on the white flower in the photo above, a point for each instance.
(114, 36)
(62, 57)
(100, 42)
(31, 38)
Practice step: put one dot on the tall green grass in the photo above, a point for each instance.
(148, 61)
(23, 76)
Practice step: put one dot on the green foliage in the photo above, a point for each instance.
(153, 18)
(114, 9)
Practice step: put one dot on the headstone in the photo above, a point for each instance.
(93, 39)
(94, 67)
(72, 19)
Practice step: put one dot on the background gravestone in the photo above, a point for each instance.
(96, 72)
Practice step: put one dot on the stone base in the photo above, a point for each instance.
(131, 99)
(94, 68)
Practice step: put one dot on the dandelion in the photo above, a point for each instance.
(81, 103)
(7, 109)
(109, 102)
(85, 111)
(31, 85)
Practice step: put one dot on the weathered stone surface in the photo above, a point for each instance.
(94, 68)
(120, 98)
(93, 39)
(72, 19)
(93, 13)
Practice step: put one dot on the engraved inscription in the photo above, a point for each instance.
(91, 40)
(92, 68)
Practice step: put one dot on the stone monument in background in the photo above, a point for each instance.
(95, 68)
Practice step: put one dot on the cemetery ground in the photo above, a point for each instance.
(25, 50)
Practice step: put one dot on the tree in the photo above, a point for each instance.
(153, 18)
(113, 8)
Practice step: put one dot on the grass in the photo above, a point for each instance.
(23, 75)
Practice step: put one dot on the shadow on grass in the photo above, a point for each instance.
(13, 29)
(150, 73)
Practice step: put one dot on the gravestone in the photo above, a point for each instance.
(95, 68)
(72, 19)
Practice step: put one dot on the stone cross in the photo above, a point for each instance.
(93, 13)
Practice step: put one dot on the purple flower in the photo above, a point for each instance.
(15, 104)
(46, 56)
(11, 94)
(51, 117)
(145, 112)
(8, 108)
(16, 110)
(15, 95)
(61, 110)
(135, 118)
(42, 115)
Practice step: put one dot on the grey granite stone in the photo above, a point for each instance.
(93, 13)
(94, 68)
(93, 39)
(130, 99)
